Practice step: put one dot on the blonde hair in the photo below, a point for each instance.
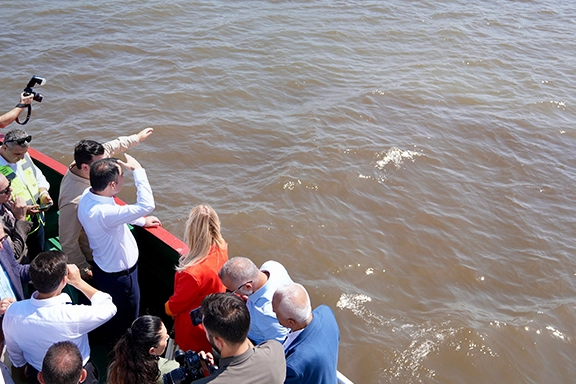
(202, 231)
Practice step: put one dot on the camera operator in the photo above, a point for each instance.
(137, 354)
(10, 116)
(226, 320)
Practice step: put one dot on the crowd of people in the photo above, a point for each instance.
(256, 325)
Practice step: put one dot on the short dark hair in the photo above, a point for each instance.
(62, 364)
(225, 315)
(85, 151)
(102, 172)
(47, 270)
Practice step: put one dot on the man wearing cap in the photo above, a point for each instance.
(72, 236)
(27, 182)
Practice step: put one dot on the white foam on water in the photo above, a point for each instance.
(355, 304)
(396, 157)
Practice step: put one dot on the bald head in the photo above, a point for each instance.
(291, 304)
(5, 191)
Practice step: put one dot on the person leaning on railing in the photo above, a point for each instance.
(11, 115)
(197, 275)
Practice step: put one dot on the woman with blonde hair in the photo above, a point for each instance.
(197, 276)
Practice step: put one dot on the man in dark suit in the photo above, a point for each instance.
(13, 218)
(311, 347)
(17, 275)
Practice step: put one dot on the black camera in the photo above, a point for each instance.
(190, 368)
(35, 80)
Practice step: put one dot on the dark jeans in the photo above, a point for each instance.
(125, 293)
(91, 378)
(35, 241)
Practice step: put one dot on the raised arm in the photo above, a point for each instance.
(11, 115)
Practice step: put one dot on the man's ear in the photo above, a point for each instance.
(40, 378)
(219, 342)
(83, 376)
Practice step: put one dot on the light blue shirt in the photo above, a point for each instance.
(6, 289)
(263, 322)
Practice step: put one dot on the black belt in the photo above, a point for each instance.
(124, 272)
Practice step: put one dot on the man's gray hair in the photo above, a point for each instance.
(15, 135)
(239, 270)
(293, 302)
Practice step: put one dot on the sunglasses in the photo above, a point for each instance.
(239, 288)
(7, 190)
(20, 142)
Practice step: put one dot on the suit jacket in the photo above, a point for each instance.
(313, 355)
(18, 274)
(18, 231)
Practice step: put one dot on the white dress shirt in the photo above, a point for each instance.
(263, 322)
(113, 247)
(32, 326)
(72, 236)
(290, 338)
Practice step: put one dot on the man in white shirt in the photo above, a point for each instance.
(72, 236)
(27, 182)
(32, 326)
(113, 246)
(241, 276)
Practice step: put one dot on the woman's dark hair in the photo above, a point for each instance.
(132, 362)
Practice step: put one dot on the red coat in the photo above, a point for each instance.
(190, 288)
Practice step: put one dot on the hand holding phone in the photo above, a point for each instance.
(44, 207)
(196, 316)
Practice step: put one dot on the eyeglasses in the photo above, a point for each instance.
(7, 190)
(20, 142)
(240, 287)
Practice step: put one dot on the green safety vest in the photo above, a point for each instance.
(27, 189)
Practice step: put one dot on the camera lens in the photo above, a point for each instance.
(38, 96)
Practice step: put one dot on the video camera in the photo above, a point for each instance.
(190, 368)
(35, 80)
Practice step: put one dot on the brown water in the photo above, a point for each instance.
(410, 162)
